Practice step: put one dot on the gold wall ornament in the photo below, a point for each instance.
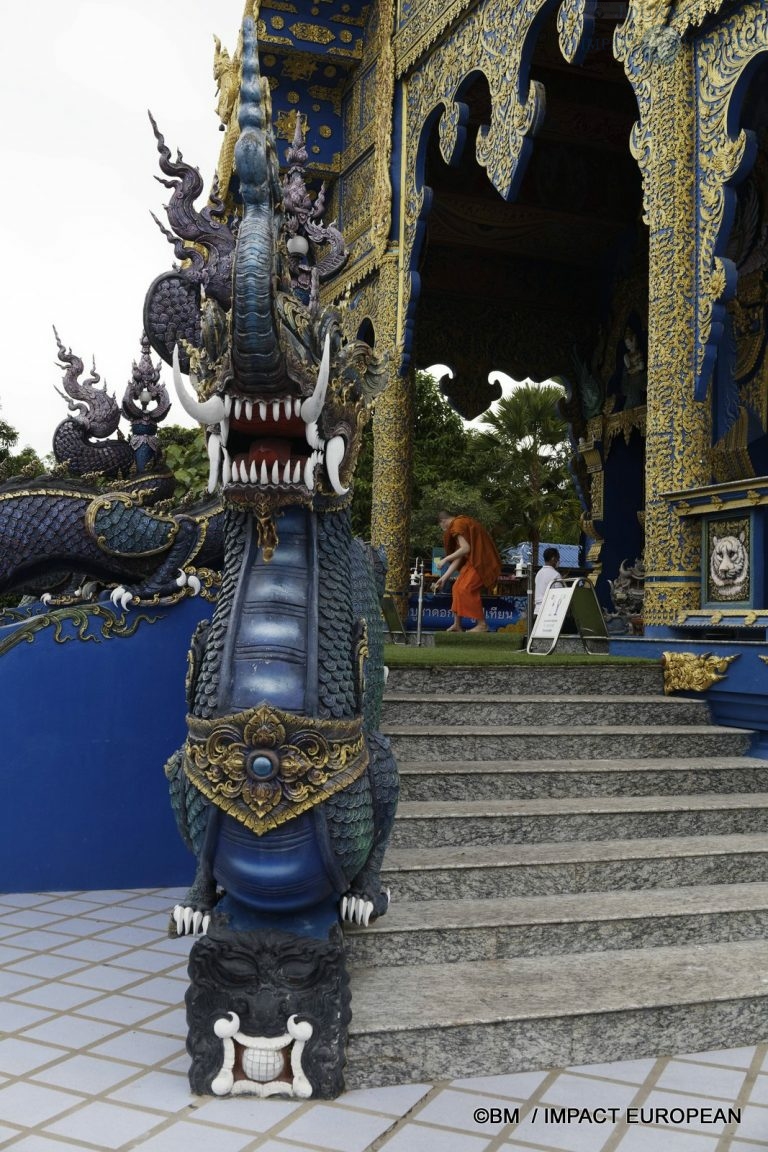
(722, 55)
(427, 20)
(693, 672)
(571, 28)
(90, 621)
(678, 441)
(265, 767)
(691, 13)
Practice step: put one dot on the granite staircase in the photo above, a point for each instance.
(579, 873)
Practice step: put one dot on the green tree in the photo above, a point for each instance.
(24, 463)
(184, 452)
(523, 455)
(441, 477)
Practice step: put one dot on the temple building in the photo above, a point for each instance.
(568, 189)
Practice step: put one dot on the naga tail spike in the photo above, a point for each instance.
(256, 356)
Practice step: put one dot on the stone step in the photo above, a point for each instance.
(550, 742)
(451, 931)
(410, 708)
(434, 1022)
(421, 824)
(482, 872)
(532, 679)
(527, 779)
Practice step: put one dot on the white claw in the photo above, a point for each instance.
(334, 454)
(178, 913)
(248, 409)
(115, 596)
(287, 472)
(276, 410)
(181, 579)
(46, 598)
(313, 406)
(297, 472)
(388, 895)
(262, 410)
(126, 599)
(209, 412)
(263, 475)
(367, 909)
(194, 584)
(206, 922)
(359, 909)
(275, 473)
(344, 903)
(237, 408)
(187, 920)
(197, 920)
(254, 473)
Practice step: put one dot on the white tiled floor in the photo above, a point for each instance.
(92, 1058)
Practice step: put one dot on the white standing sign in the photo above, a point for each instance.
(576, 595)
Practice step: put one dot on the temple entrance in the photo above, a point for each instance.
(553, 284)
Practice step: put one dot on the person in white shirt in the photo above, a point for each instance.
(545, 576)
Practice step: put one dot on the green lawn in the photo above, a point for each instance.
(473, 653)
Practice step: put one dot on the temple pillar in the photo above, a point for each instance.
(678, 443)
(392, 468)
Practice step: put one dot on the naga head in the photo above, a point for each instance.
(281, 392)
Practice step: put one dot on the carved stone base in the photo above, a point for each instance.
(268, 1013)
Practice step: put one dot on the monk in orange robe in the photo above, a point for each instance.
(470, 550)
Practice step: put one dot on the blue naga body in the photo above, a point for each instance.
(284, 788)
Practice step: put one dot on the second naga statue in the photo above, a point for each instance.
(284, 789)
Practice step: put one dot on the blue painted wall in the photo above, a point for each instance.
(87, 727)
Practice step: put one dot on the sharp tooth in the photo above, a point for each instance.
(264, 476)
(244, 471)
(263, 410)
(297, 472)
(312, 435)
(309, 474)
(248, 409)
(311, 408)
(275, 473)
(214, 456)
(334, 454)
(287, 407)
(226, 469)
(276, 410)
(224, 425)
(287, 472)
(297, 407)
(237, 408)
(227, 405)
(254, 474)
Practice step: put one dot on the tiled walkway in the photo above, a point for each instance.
(92, 1057)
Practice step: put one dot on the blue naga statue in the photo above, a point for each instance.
(284, 789)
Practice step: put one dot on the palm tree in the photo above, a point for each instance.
(523, 453)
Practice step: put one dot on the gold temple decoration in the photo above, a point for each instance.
(688, 672)
(264, 766)
(678, 443)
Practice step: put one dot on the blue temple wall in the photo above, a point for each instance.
(740, 699)
(88, 724)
